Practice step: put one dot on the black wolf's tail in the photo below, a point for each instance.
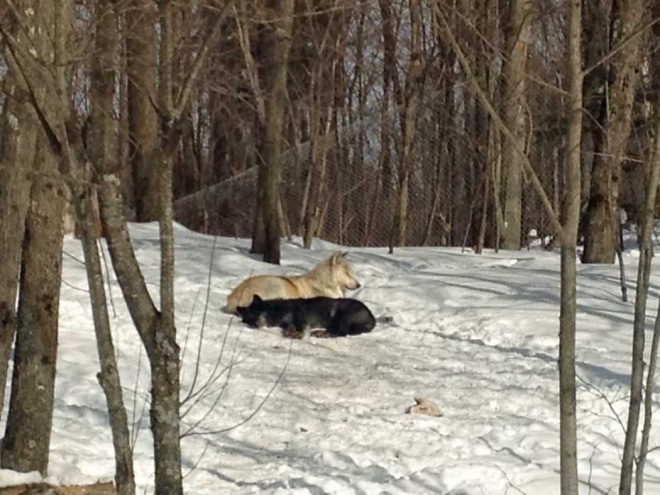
(384, 319)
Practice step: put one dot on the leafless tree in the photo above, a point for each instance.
(17, 151)
(27, 437)
(277, 44)
(602, 215)
(102, 149)
(637, 378)
(566, 231)
(652, 178)
(515, 116)
(568, 296)
(142, 76)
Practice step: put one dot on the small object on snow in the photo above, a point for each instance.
(424, 406)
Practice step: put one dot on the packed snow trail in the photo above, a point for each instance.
(476, 334)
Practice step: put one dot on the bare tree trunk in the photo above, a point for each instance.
(383, 177)
(142, 118)
(639, 325)
(408, 125)
(514, 116)
(17, 148)
(315, 175)
(156, 329)
(108, 377)
(103, 151)
(320, 134)
(484, 206)
(602, 227)
(393, 90)
(27, 435)
(27, 438)
(472, 80)
(258, 245)
(638, 333)
(187, 164)
(567, 312)
(270, 166)
(160, 344)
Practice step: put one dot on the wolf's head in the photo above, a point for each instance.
(252, 315)
(341, 273)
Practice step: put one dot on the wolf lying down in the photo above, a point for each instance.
(334, 317)
(332, 277)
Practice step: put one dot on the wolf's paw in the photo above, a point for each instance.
(291, 332)
(321, 334)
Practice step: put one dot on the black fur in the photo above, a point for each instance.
(339, 317)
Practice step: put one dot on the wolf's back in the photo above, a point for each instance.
(265, 286)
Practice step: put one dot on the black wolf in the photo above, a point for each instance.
(337, 316)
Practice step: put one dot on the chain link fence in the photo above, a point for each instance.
(456, 185)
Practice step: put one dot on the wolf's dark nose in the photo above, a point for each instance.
(358, 285)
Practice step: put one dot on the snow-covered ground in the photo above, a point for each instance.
(477, 334)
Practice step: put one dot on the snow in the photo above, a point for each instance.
(476, 334)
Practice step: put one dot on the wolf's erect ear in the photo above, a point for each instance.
(337, 256)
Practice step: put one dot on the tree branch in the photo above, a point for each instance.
(622, 44)
(198, 63)
(485, 101)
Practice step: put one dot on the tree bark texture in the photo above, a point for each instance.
(18, 145)
(517, 35)
(27, 436)
(103, 150)
(162, 349)
(270, 166)
(571, 213)
(409, 121)
(17, 152)
(108, 377)
(638, 332)
(142, 117)
(641, 297)
(103, 142)
(602, 216)
(159, 342)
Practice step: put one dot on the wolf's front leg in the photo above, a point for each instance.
(292, 332)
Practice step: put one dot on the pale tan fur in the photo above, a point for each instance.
(332, 277)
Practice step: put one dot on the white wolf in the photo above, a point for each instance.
(332, 277)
